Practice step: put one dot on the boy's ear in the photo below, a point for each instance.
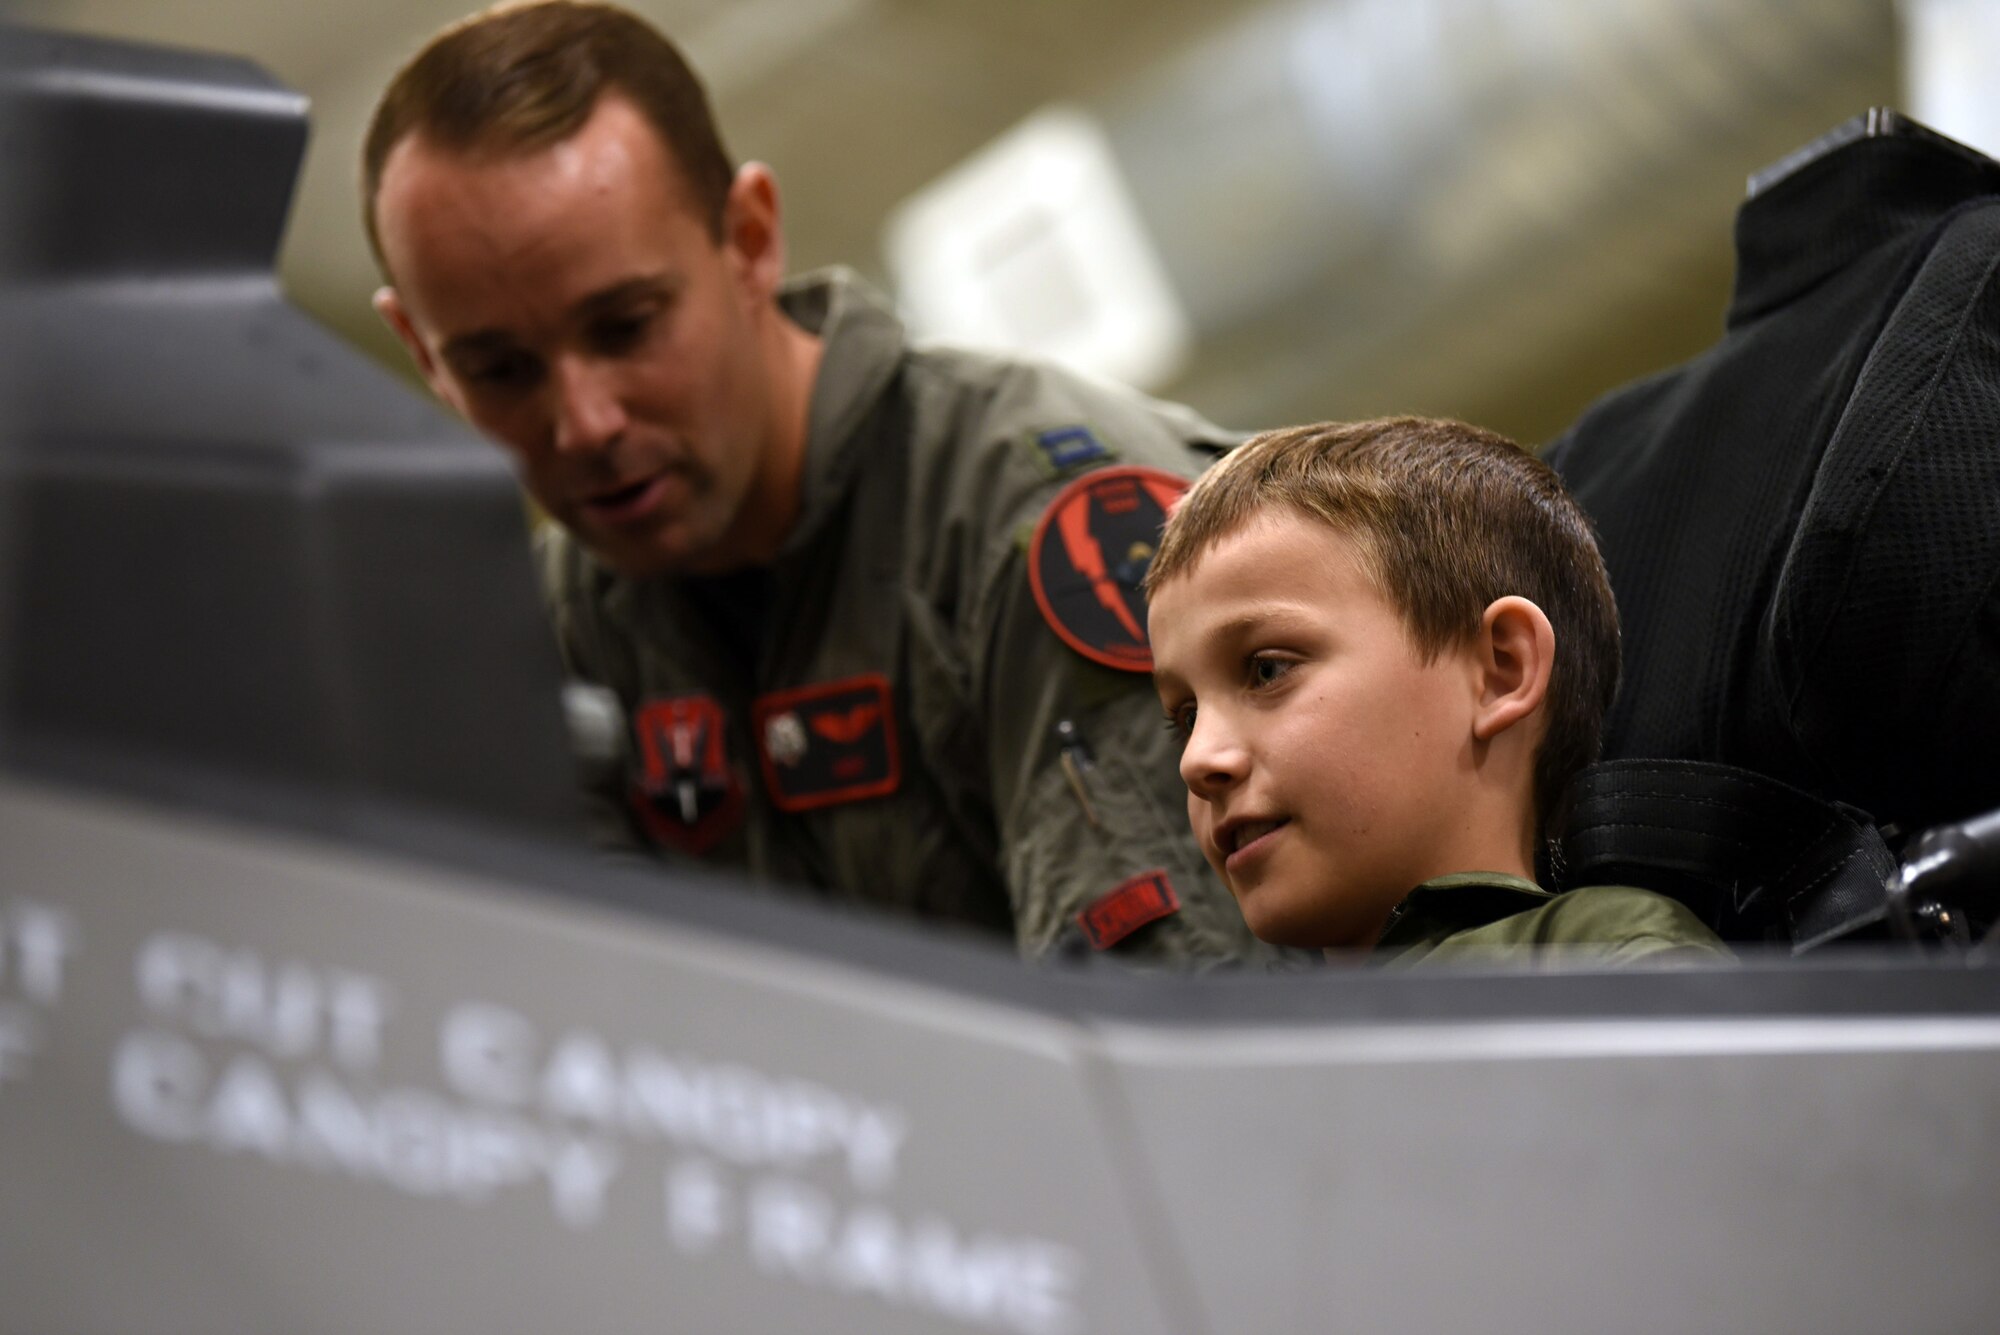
(1516, 651)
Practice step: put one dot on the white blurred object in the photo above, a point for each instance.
(1033, 246)
(1951, 51)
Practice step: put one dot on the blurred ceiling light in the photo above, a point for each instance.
(1033, 246)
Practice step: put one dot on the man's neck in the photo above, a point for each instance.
(771, 509)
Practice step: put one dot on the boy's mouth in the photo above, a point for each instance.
(1237, 836)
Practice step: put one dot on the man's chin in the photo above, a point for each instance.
(659, 558)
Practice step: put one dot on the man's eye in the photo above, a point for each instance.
(515, 370)
(615, 334)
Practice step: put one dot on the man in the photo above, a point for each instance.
(873, 612)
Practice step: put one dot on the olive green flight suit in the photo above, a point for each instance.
(1476, 918)
(924, 475)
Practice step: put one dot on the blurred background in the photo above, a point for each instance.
(1276, 210)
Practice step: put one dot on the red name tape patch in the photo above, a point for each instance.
(1115, 915)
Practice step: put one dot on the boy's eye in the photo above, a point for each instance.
(1180, 720)
(1264, 670)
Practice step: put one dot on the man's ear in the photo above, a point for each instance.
(1516, 651)
(751, 230)
(390, 307)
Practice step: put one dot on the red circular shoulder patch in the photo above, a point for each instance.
(1090, 552)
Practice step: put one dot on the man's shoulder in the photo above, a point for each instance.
(1056, 421)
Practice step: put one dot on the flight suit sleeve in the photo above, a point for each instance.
(1095, 847)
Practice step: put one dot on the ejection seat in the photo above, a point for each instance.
(1802, 527)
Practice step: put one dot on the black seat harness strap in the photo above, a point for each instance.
(1759, 859)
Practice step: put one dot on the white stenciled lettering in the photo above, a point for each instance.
(1020, 1284)
(697, 1204)
(581, 1080)
(289, 1009)
(745, 1119)
(247, 1110)
(157, 1084)
(356, 1007)
(869, 1258)
(494, 1055)
(413, 1140)
(411, 1129)
(873, 1140)
(19, 1039)
(791, 1227)
(36, 944)
(488, 1053)
(580, 1172)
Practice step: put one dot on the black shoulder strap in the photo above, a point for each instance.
(1757, 859)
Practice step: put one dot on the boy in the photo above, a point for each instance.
(1387, 646)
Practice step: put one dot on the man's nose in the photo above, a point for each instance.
(1213, 761)
(589, 414)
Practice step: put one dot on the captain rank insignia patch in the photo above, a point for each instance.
(686, 793)
(1089, 554)
(828, 743)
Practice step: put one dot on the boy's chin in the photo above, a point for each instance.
(1307, 922)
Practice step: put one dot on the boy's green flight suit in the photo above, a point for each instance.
(1491, 918)
(887, 712)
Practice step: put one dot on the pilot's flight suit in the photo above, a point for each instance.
(886, 712)
(1489, 917)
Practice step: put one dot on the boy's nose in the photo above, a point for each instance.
(1211, 762)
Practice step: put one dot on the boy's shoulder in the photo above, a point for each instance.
(1490, 917)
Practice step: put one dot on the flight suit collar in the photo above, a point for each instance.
(1446, 905)
(1841, 203)
(863, 345)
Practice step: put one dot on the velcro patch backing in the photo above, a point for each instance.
(1123, 910)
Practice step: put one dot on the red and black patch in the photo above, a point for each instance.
(1089, 554)
(830, 743)
(686, 793)
(1123, 910)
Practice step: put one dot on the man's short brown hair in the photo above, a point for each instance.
(519, 77)
(1448, 518)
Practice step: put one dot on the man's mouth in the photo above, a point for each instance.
(619, 505)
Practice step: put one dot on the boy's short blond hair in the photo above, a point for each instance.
(1448, 518)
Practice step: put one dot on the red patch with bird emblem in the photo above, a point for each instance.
(829, 743)
(685, 793)
(1089, 554)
